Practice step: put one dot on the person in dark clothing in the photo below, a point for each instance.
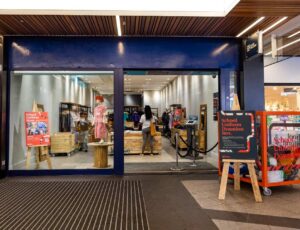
(165, 121)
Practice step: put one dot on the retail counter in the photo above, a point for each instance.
(133, 142)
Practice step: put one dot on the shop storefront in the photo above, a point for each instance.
(282, 85)
(282, 97)
(62, 77)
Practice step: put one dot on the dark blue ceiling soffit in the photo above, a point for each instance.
(94, 53)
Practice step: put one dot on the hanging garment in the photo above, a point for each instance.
(99, 121)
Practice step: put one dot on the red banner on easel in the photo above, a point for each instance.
(37, 129)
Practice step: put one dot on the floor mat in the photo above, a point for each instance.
(106, 204)
(165, 166)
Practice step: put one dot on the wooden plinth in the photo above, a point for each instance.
(100, 154)
(254, 182)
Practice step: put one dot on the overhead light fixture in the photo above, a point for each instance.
(289, 44)
(207, 8)
(274, 24)
(250, 26)
(294, 34)
(118, 25)
(284, 46)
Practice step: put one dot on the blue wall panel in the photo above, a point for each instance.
(253, 84)
(131, 53)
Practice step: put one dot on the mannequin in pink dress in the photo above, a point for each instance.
(100, 120)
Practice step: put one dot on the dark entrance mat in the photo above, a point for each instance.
(94, 204)
(165, 167)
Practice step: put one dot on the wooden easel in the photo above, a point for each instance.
(39, 150)
(254, 182)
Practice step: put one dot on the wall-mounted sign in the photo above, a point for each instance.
(37, 129)
(237, 135)
(251, 47)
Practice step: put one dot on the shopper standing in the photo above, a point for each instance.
(146, 120)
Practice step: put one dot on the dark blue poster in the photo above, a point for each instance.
(237, 135)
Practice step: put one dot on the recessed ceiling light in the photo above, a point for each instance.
(251, 26)
(118, 25)
(274, 24)
(294, 34)
(284, 46)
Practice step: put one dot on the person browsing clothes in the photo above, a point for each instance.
(145, 120)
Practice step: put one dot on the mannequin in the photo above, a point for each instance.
(100, 119)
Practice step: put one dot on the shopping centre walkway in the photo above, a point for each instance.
(141, 202)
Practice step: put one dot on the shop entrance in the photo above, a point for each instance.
(171, 100)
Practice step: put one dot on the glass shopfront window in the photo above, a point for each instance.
(282, 98)
(61, 120)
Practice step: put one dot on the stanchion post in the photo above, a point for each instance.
(176, 168)
(193, 150)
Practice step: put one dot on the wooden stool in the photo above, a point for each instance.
(254, 182)
(100, 154)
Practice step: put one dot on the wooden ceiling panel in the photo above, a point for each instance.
(189, 26)
(57, 25)
(271, 8)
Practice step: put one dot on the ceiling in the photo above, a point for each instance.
(132, 83)
(103, 83)
(140, 83)
(245, 13)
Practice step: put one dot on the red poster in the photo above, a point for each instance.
(37, 129)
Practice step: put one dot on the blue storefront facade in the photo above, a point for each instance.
(119, 55)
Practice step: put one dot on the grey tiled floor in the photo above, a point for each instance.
(190, 202)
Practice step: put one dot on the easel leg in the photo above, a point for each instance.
(254, 181)
(37, 158)
(224, 181)
(237, 185)
(49, 161)
(28, 155)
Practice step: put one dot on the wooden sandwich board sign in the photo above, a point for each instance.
(237, 144)
(40, 144)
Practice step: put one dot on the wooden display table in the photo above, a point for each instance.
(133, 142)
(100, 153)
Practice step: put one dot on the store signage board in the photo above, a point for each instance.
(237, 135)
(37, 129)
(251, 47)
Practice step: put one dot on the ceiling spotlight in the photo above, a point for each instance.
(294, 34)
(273, 25)
(284, 46)
(251, 26)
(118, 25)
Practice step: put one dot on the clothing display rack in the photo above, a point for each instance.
(131, 108)
(69, 113)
